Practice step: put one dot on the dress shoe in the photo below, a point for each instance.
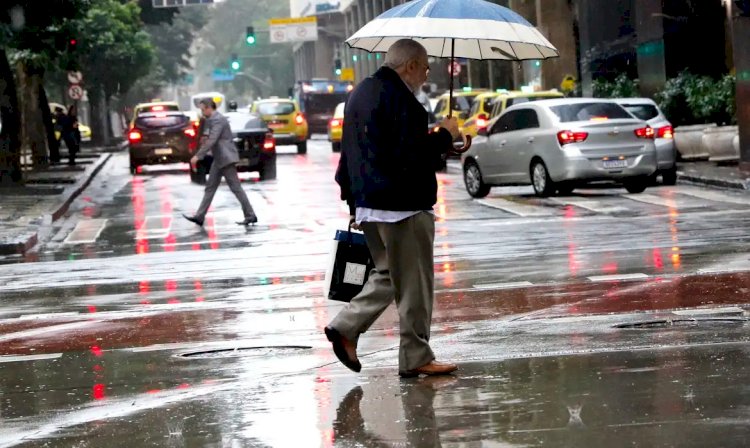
(429, 369)
(194, 220)
(247, 221)
(344, 349)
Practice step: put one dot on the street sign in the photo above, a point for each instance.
(300, 29)
(222, 75)
(347, 74)
(454, 68)
(75, 77)
(75, 92)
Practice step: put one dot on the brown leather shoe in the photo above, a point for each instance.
(344, 349)
(432, 368)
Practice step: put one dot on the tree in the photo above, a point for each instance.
(115, 52)
(33, 36)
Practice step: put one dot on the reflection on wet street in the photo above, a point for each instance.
(598, 318)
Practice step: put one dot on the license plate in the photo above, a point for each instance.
(244, 162)
(615, 163)
(276, 125)
(163, 151)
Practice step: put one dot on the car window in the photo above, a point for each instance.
(526, 119)
(439, 107)
(487, 104)
(339, 112)
(461, 103)
(497, 107)
(279, 108)
(642, 111)
(157, 108)
(156, 121)
(505, 123)
(589, 111)
(243, 120)
(474, 109)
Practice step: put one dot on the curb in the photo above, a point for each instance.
(31, 238)
(712, 182)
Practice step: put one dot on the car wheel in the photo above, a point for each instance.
(267, 172)
(336, 146)
(637, 184)
(475, 186)
(540, 180)
(302, 147)
(669, 177)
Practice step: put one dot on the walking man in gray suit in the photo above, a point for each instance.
(219, 142)
(387, 176)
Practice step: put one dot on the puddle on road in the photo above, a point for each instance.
(246, 352)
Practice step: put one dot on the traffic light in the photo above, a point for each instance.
(337, 66)
(235, 62)
(250, 36)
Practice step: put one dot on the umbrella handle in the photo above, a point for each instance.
(465, 147)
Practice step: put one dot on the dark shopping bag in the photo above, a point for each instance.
(349, 266)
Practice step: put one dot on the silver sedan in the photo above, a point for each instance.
(558, 145)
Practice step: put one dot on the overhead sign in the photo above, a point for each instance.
(178, 3)
(75, 77)
(222, 75)
(301, 29)
(75, 92)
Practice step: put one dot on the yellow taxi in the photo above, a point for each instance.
(480, 112)
(336, 128)
(462, 103)
(155, 106)
(510, 98)
(285, 119)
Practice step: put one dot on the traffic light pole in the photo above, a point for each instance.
(741, 31)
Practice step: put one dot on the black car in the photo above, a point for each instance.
(255, 145)
(161, 137)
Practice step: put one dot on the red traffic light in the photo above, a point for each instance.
(73, 42)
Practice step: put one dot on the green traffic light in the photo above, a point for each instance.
(250, 40)
(235, 65)
(338, 72)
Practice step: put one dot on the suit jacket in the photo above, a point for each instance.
(219, 141)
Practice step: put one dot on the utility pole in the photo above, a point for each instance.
(741, 36)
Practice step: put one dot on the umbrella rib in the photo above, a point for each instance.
(479, 46)
(379, 42)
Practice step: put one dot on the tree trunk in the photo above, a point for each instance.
(99, 128)
(10, 136)
(33, 134)
(49, 128)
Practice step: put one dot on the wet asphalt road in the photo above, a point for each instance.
(592, 319)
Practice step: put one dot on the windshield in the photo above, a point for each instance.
(322, 103)
(589, 111)
(279, 108)
(642, 111)
(156, 121)
(239, 121)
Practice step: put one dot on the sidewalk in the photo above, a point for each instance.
(711, 174)
(44, 199)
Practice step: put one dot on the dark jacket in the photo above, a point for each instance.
(388, 158)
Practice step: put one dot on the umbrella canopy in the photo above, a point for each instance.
(472, 29)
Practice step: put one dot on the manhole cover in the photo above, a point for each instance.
(668, 323)
(254, 352)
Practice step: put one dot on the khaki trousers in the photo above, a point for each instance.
(404, 272)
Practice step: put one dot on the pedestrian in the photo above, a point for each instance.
(57, 119)
(69, 133)
(225, 157)
(387, 176)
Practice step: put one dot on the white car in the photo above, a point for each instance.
(666, 152)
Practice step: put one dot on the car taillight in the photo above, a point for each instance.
(336, 123)
(191, 132)
(568, 137)
(665, 132)
(299, 119)
(647, 132)
(157, 108)
(269, 143)
(134, 136)
(482, 121)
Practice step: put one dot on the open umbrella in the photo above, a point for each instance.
(471, 29)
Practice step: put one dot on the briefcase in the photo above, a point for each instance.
(349, 266)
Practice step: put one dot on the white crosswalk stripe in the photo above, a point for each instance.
(520, 209)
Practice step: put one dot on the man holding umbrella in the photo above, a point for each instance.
(387, 176)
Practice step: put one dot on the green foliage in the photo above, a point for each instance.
(115, 49)
(692, 99)
(621, 87)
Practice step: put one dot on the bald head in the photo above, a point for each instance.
(402, 52)
(408, 58)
